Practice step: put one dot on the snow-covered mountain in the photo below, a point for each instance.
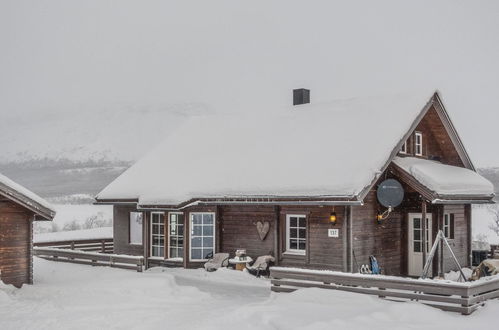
(77, 153)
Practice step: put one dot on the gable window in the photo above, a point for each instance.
(157, 235)
(418, 144)
(176, 235)
(449, 225)
(202, 235)
(403, 150)
(296, 234)
(135, 219)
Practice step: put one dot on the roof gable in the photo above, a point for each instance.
(330, 150)
(24, 197)
(435, 103)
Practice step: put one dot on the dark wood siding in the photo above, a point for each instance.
(460, 242)
(15, 244)
(436, 141)
(238, 229)
(323, 252)
(121, 231)
(385, 241)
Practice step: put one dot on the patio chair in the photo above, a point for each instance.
(216, 261)
(261, 265)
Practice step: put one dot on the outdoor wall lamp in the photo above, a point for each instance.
(380, 216)
(332, 218)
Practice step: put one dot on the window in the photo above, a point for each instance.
(449, 225)
(296, 234)
(176, 235)
(403, 150)
(157, 235)
(135, 228)
(418, 144)
(202, 235)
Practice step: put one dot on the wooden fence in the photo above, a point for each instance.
(87, 245)
(90, 258)
(464, 298)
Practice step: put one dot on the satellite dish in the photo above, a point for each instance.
(390, 193)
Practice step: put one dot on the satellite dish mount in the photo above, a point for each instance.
(390, 194)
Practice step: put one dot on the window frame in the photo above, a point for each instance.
(183, 235)
(191, 219)
(449, 225)
(298, 252)
(130, 229)
(403, 150)
(420, 144)
(151, 256)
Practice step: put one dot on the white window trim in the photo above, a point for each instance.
(191, 218)
(403, 150)
(150, 236)
(420, 144)
(288, 249)
(141, 230)
(168, 231)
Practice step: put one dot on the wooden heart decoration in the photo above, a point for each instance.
(263, 229)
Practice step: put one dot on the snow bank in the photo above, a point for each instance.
(446, 179)
(94, 233)
(17, 188)
(69, 296)
(307, 150)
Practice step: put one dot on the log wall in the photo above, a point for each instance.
(15, 244)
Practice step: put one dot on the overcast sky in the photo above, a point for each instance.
(72, 56)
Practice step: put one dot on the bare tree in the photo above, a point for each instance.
(494, 226)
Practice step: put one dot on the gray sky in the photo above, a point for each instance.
(73, 56)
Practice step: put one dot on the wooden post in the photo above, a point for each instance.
(441, 252)
(277, 252)
(350, 240)
(103, 246)
(72, 245)
(344, 236)
(469, 237)
(423, 229)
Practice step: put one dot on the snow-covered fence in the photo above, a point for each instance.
(91, 258)
(87, 245)
(464, 298)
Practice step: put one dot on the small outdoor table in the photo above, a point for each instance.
(240, 264)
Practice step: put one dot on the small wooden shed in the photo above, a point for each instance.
(19, 208)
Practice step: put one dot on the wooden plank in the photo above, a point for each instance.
(377, 292)
(402, 284)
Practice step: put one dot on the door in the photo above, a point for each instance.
(415, 242)
(157, 237)
(175, 235)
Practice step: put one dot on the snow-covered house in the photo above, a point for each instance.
(19, 207)
(301, 184)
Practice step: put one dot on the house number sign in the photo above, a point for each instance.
(333, 233)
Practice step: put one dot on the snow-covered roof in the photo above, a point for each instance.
(315, 150)
(446, 180)
(29, 199)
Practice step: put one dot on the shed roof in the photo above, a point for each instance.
(446, 180)
(26, 198)
(332, 149)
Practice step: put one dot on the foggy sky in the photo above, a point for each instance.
(72, 56)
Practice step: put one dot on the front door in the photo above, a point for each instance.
(415, 241)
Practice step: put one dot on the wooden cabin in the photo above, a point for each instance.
(301, 183)
(19, 208)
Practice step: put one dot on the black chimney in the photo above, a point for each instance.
(301, 96)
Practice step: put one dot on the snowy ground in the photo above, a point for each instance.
(68, 296)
